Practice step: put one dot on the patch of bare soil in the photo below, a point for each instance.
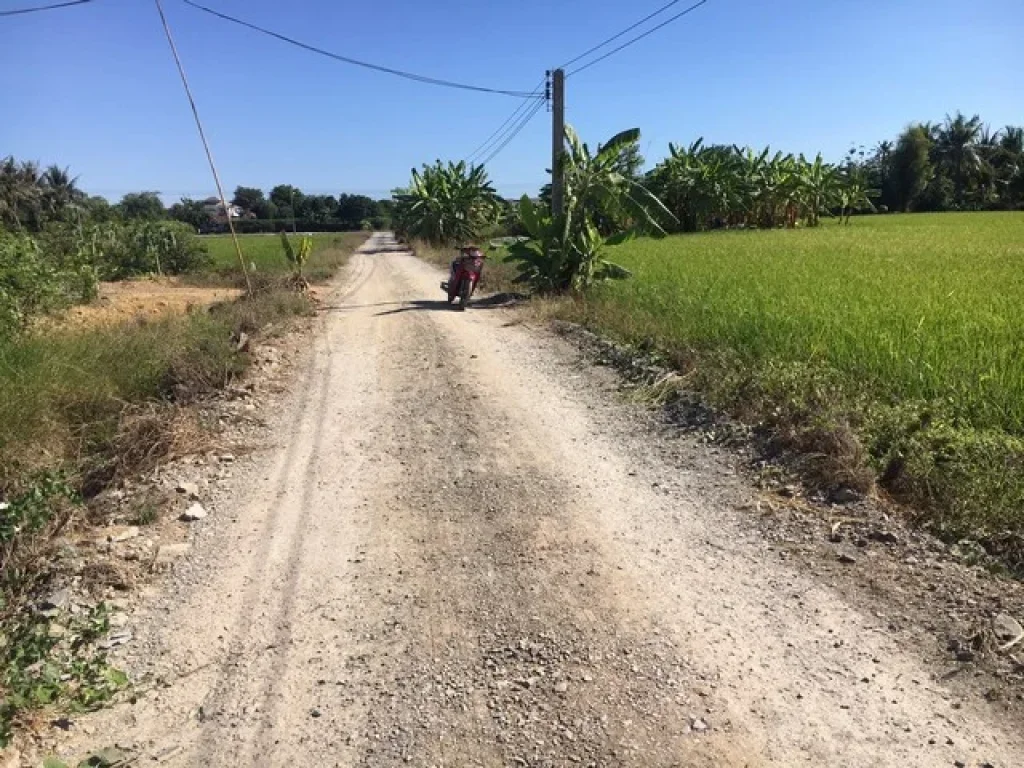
(146, 298)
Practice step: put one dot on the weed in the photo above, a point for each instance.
(146, 514)
(44, 504)
(53, 662)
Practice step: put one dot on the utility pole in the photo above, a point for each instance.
(557, 141)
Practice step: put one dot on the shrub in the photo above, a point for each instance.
(32, 283)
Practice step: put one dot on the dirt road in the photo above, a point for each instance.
(461, 550)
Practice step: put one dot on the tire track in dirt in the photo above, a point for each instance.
(276, 569)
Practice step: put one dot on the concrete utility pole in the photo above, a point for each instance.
(557, 141)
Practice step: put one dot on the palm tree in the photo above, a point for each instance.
(60, 189)
(957, 148)
(21, 199)
(1010, 165)
(1012, 140)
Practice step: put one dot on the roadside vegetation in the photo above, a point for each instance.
(265, 256)
(886, 353)
(83, 408)
(873, 353)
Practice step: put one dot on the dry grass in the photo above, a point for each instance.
(69, 400)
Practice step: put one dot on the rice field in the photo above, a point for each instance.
(927, 307)
(265, 254)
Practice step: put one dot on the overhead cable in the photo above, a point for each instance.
(523, 122)
(616, 36)
(498, 134)
(356, 62)
(38, 8)
(638, 38)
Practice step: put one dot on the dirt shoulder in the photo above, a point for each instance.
(454, 543)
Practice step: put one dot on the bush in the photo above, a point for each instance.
(32, 283)
(137, 248)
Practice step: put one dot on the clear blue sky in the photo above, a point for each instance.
(94, 87)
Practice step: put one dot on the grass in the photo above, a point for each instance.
(79, 410)
(265, 255)
(63, 394)
(904, 334)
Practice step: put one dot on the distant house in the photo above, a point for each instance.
(213, 207)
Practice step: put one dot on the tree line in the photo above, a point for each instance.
(31, 197)
(288, 206)
(960, 164)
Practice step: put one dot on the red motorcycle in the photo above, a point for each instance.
(465, 275)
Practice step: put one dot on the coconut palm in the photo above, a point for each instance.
(21, 194)
(958, 151)
(1011, 140)
(60, 189)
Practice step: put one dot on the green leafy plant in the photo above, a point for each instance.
(447, 204)
(297, 259)
(565, 252)
(35, 280)
(54, 662)
(25, 516)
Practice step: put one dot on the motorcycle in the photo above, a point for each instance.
(468, 269)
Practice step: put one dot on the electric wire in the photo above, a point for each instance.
(356, 62)
(616, 36)
(523, 122)
(206, 145)
(38, 8)
(490, 139)
(638, 38)
(499, 133)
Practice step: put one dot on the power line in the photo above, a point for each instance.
(356, 62)
(39, 8)
(499, 132)
(636, 39)
(615, 37)
(484, 146)
(521, 125)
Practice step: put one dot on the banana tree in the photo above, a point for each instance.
(565, 252)
(297, 259)
(447, 204)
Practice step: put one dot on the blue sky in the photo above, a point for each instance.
(94, 87)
